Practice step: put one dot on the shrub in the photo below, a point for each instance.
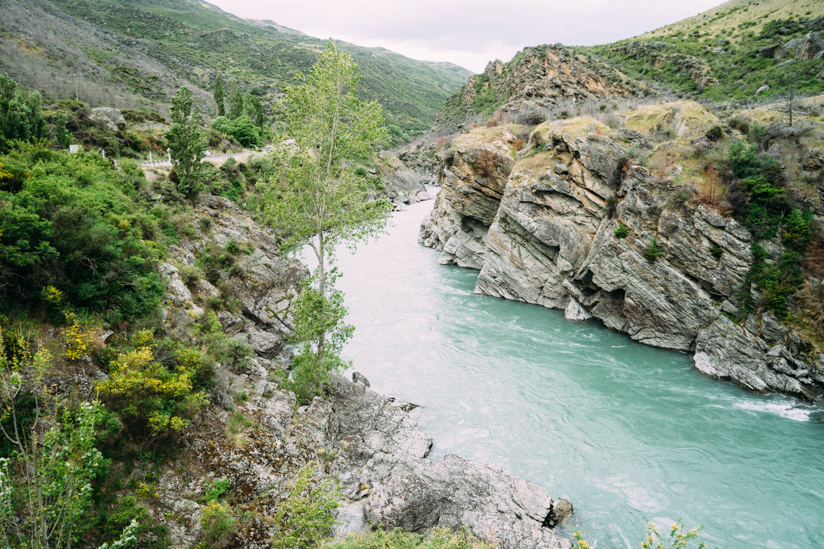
(242, 128)
(564, 114)
(230, 351)
(531, 118)
(653, 251)
(217, 521)
(716, 251)
(153, 400)
(75, 223)
(715, 133)
(307, 514)
(621, 231)
(190, 275)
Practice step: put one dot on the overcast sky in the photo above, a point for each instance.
(469, 32)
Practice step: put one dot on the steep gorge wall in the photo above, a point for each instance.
(551, 242)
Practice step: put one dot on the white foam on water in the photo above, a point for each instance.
(789, 410)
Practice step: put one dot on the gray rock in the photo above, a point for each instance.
(264, 344)
(108, 116)
(727, 351)
(575, 311)
(455, 493)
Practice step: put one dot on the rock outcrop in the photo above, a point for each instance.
(552, 242)
(255, 437)
(371, 445)
(536, 78)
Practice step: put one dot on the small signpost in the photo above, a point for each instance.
(74, 148)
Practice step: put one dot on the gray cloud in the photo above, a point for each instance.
(469, 33)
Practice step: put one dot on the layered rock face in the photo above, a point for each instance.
(552, 242)
(472, 181)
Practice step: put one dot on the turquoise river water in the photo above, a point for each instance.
(622, 430)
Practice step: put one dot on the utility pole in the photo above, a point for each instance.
(76, 94)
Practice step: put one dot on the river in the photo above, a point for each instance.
(622, 430)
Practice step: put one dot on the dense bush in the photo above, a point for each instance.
(242, 128)
(75, 223)
(20, 114)
(153, 399)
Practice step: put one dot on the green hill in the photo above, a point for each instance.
(730, 52)
(140, 52)
(741, 50)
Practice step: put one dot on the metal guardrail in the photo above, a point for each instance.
(205, 158)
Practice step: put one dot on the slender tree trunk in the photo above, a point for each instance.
(322, 290)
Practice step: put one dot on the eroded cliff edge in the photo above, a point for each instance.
(254, 436)
(540, 227)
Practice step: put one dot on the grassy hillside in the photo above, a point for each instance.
(729, 52)
(139, 52)
(741, 50)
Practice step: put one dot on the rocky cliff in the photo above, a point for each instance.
(254, 435)
(537, 78)
(541, 228)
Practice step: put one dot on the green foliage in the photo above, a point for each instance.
(254, 110)
(75, 223)
(716, 251)
(307, 514)
(242, 128)
(621, 231)
(218, 95)
(61, 133)
(317, 317)
(126, 539)
(46, 484)
(315, 196)
(217, 521)
(235, 103)
(229, 351)
(154, 399)
(436, 538)
(653, 251)
(715, 133)
(20, 114)
(186, 143)
(215, 490)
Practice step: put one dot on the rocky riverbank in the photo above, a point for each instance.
(540, 226)
(254, 435)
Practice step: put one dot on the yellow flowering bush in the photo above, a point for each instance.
(152, 399)
(78, 340)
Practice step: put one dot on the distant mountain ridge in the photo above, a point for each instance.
(139, 52)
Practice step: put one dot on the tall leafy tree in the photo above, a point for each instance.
(235, 104)
(254, 109)
(218, 95)
(20, 113)
(186, 142)
(316, 198)
(61, 133)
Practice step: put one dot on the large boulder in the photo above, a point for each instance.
(455, 493)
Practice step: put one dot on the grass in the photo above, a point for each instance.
(189, 43)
